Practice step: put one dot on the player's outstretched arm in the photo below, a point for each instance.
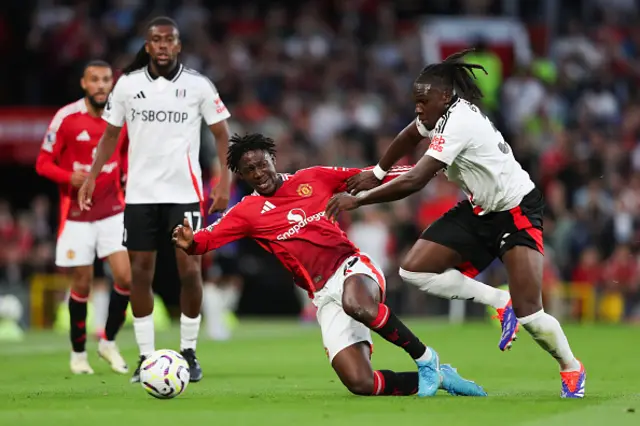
(401, 187)
(229, 228)
(182, 236)
(402, 145)
(106, 147)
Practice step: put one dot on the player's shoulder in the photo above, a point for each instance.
(196, 78)
(315, 170)
(71, 110)
(135, 78)
(458, 117)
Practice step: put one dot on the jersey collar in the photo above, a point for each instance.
(172, 76)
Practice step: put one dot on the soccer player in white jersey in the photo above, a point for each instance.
(502, 217)
(163, 104)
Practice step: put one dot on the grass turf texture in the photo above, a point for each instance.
(276, 373)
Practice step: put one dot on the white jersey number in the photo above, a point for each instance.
(502, 145)
(194, 219)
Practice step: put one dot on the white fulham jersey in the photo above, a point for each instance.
(164, 119)
(478, 159)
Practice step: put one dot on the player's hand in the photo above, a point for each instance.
(363, 181)
(220, 196)
(339, 203)
(183, 235)
(86, 192)
(78, 178)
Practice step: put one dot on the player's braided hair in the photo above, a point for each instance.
(141, 59)
(453, 73)
(240, 145)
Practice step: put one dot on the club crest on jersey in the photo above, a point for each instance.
(304, 190)
(181, 93)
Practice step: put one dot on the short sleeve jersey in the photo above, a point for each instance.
(163, 118)
(477, 158)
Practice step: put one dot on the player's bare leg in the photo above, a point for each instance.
(142, 268)
(525, 267)
(100, 291)
(361, 300)
(190, 272)
(431, 267)
(81, 277)
(107, 348)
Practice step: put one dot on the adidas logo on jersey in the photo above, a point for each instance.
(140, 95)
(83, 136)
(267, 207)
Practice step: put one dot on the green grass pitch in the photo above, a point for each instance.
(276, 374)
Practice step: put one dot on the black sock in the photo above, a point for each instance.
(117, 311)
(389, 327)
(386, 382)
(78, 318)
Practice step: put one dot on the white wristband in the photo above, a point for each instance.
(378, 172)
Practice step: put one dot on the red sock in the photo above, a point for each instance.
(386, 382)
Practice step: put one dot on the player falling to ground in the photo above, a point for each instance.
(285, 215)
(66, 156)
(502, 218)
(163, 103)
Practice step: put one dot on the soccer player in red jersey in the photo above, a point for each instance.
(285, 215)
(66, 156)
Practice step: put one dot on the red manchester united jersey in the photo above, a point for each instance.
(291, 224)
(70, 146)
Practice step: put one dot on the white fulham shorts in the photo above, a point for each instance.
(338, 329)
(79, 242)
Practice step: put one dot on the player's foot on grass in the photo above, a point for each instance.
(110, 353)
(80, 363)
(136, 374)
(573, 383)
(194, 366)
(456, 385)
(429, 376)
(509, 324)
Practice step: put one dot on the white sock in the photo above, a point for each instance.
(214, 310)
(426, 356)
(231, 297)
(452, 284)
(189, 328)
(546, 330)
(145, 334)
(100, 301)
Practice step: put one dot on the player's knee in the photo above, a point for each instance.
(190, 274)
(81, 284)
(359, 304)
(123, 280)
(426, 281)
(360, 385)
(358, 312)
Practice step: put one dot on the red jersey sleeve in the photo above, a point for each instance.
(52, 146)
(336, 177)
(229, 228)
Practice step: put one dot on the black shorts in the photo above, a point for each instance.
(223, 265)
(480, 239)
(146, 225)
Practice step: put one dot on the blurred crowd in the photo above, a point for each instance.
(331, 84)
